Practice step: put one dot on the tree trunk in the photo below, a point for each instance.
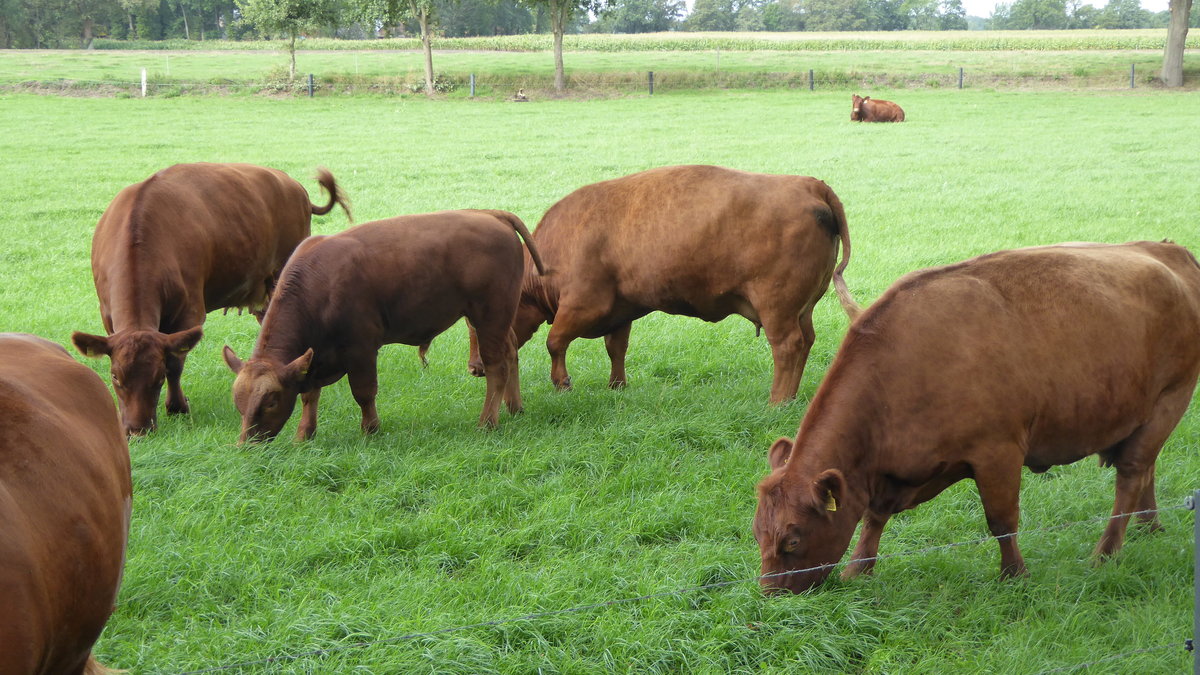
(132, 27)
(86, 40)
(558, 20)
(187, 35)
(292, 52)
(1177, 30)
(427, 44)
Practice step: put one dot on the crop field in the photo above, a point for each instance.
(910, 59)
(360, 554)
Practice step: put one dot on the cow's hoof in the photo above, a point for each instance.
(176, 409)
(564, 384)
(476, 370)
(617, 384)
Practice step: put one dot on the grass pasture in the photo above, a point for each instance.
(247, 553)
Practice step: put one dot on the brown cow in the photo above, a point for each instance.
(875, 110)
(702, 241)
(65, 500)
(1034, 357)
(190, 239)
(401, 280)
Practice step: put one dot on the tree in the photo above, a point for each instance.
(1123, 14)
(1038, 14)
(891, 14)
(783, 15)
(392, 12)
(831, 15)
(640, 16)
(1172, 70)
(561, 12)
(290, 17)
(464, 19)
(712, 15)
(953, 15)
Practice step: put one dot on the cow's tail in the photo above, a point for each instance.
(335, 196)
(518, 225)
(852, 308)
(93, 667)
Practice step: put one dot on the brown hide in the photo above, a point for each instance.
(65, 499)
(874, 110)
(1034, 357)
(702, 241)
(401, 280)
(190, 239)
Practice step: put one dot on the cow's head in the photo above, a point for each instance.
(856, 108)
(802, 522)
(265, 392)
(139, 362)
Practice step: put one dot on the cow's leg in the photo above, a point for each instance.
(999, 483)
(474, 362)
(789, 348)
(862, 561)
(616, 344)
(498, 355)
(364, 385)
(512, 389)
(308, 414)
(1149, 506)
(1134, 460)
(177, 403)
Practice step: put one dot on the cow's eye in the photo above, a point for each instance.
(791, 545)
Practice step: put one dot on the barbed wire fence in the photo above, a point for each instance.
(1180, 643)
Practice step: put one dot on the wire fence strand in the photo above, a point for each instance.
(693, 589)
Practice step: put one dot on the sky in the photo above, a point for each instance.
(983, 8)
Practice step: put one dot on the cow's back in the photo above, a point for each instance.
(689, 232)
(1067, 347)
(65, 497)
(219, 229)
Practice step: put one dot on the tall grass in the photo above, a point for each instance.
(246, 552)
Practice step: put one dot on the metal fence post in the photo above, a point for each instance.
(310, 85)
(652, 83)
(960, 77)
(472, 85)
(811, 81)
(1132, 68)
(1192, 502)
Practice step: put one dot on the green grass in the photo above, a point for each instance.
(243, 553)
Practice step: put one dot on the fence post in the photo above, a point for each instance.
(472, 85)
(652, 83)
(1132, 68)
(960, 74)
(143, 83)
(310, 85)
(1192, 502)
(811, 82)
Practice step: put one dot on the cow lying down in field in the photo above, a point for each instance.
(867, 109)
(401, 280)
(1032, 357)
(65, 502)
(702, 241)
(188, 240)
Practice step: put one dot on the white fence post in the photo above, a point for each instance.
(143, 83)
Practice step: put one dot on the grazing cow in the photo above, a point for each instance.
(65, 500)
(875, 110)
(190, 239)
(702, 241)
(401, 280)
(1034, 357)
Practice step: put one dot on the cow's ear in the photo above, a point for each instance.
(830, 490)
(296, 370)
(778, 455)
(231, 359)
(182, 342)
(93, 346)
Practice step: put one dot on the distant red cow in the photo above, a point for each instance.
(1034, 357)
(65, 501)
(875, 110)
(190, 239)
(401, 280)
(702, 241)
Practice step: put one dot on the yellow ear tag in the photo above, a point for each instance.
(830, 501)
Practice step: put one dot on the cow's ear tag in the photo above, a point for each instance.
(830, 501)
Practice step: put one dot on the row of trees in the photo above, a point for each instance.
(56, 23)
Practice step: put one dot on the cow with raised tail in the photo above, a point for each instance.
(867, 109)
(1026, 358)
(190, 239)
(400, 280)
(702, 241)
(65, 504)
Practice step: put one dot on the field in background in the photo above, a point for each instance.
(243, 553)
(610, 63)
